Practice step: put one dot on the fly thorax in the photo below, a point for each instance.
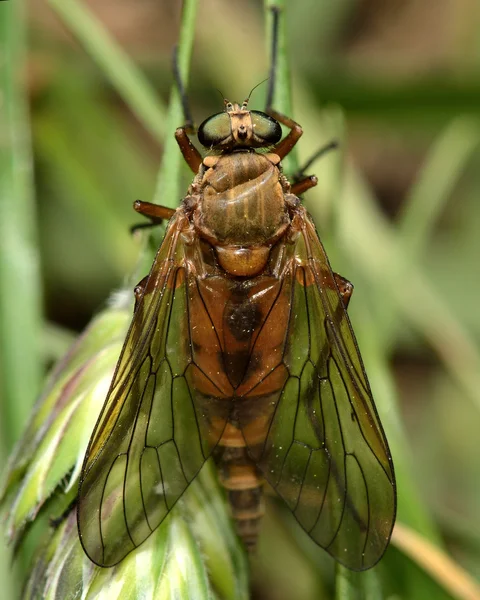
(242, 200)
(242, 210)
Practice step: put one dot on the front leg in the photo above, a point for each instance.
(286, 145)
(192, 156)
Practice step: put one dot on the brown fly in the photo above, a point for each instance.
(241, 349)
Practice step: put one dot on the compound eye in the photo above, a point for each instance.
(215, 130)
(266, 127)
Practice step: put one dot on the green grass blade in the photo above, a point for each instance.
(436, 181)
(124, 75)
(168, 191)
(363, 231)
(445, 571)
(282, 98)
(20, 289)
(427, 197)
(357, 586)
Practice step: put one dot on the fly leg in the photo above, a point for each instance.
(55, 522)
(301, 182)
(345, 288)
(138, 291)
(154, 212)
(192, 156)
(302, 185)
(342, 286)
(284, 146)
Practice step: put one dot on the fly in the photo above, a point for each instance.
(240, 349)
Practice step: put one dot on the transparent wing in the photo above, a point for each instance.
(324, 450)
(151, 438)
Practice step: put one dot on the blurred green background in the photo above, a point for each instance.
(398, 84)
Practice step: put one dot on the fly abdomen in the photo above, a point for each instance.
(243, 482)
(247, 508)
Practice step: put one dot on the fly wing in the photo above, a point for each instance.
(324, 450)
(151, 438)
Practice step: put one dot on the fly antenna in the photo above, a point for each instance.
(245, 102)
(223, 97)
(226, 102)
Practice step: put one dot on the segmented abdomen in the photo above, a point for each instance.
(243, 483)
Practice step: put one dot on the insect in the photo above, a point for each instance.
(240, 349)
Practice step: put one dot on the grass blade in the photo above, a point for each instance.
(20, 289)
(168, 191)
(124, 75)
(440, 566)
